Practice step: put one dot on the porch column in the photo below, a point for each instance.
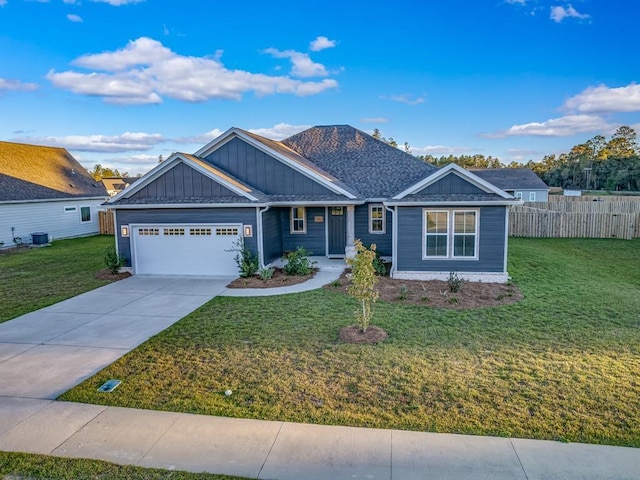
(350, 249)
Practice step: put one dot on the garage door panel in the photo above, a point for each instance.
(186, 250)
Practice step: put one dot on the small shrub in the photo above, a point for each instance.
(246, 260)
(266, 273)
(298, 263)
(404, 293)
(378, 265)
(112, 260)
(455, 283)
(453, 300)
(18, 241)
(425, 299)
(336, 283)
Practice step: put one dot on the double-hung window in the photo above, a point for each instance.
(298, 220)
(450, 234)
(376, 219)
(532, 196)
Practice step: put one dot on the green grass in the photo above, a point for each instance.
(30, 466)
(38, 277)
(562, 364)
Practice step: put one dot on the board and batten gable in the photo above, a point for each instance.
(383, 241)
(59, 219)
(186, 216)
(180, 182)
(491, 242)
(449, 184)
(266, 173)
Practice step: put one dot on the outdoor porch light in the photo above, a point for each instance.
(248, 231)
(124, 230)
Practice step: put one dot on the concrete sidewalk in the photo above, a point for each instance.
(279, 450)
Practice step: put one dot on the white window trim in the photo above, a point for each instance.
(532, 196)
(519, 195)
(384, 219)
(90, 214)
(304, 221)
(450, 234)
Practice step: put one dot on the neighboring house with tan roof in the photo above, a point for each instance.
(45, 189)
(320, 189)
(115, 185)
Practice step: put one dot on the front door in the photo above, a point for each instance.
(337, 225)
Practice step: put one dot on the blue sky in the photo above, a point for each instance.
(120, 82)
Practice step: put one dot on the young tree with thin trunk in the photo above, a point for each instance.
(363, 282)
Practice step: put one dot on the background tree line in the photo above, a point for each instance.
(597, 164)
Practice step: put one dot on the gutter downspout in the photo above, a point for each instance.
(259, 212)
(394, 239)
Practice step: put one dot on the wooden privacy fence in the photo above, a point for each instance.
(105, 221)
(590, 198)
(587, 219)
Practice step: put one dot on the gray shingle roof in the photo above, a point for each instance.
(512, 178)
(453, 197)
(370, 166)
(182, 200)
(33, 172)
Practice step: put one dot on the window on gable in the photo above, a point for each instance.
(532, 196)
(85, 214)
(376, 219)
(450, 234)
(298, 220)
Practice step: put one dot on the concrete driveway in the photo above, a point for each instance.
(45, 353)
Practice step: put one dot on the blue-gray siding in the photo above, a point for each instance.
(450, 183)
(267, 174)
(314, 240)
(382, 240)
(272, 233)
(246, 216)
(491, 243)
(182, 182)
(541, 195)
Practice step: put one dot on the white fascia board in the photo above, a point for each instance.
(149, 177)
(48, 200)
(151, 206)
(466, 203)
(295, 203)
(234, 132)
(457, 170)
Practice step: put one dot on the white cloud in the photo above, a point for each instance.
(556, 127)
(405, 98)
(145, 71)
(559, 13)
(7, 84)
(516, 2)
(3, 3)
(117, 3)
(602, 99)
(74, 18)
(100, 143)
(321, 43)
(279, 131)
(374, 120)
(439, 150)
(301, 64)
(203, 138)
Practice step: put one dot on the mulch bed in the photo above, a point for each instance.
(279, 279)
(435, 293)
(353, 334)
(10, 250)
(105, 274)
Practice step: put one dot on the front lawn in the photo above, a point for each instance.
(38, 277)
(563, 364)
(17, 466)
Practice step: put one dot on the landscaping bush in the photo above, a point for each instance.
(298, 262)
(112, 260)
(247, 261)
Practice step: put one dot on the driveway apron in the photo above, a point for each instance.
(47, 352)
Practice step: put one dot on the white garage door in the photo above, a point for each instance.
(185, 249)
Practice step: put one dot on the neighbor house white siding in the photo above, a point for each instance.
(49, 217)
